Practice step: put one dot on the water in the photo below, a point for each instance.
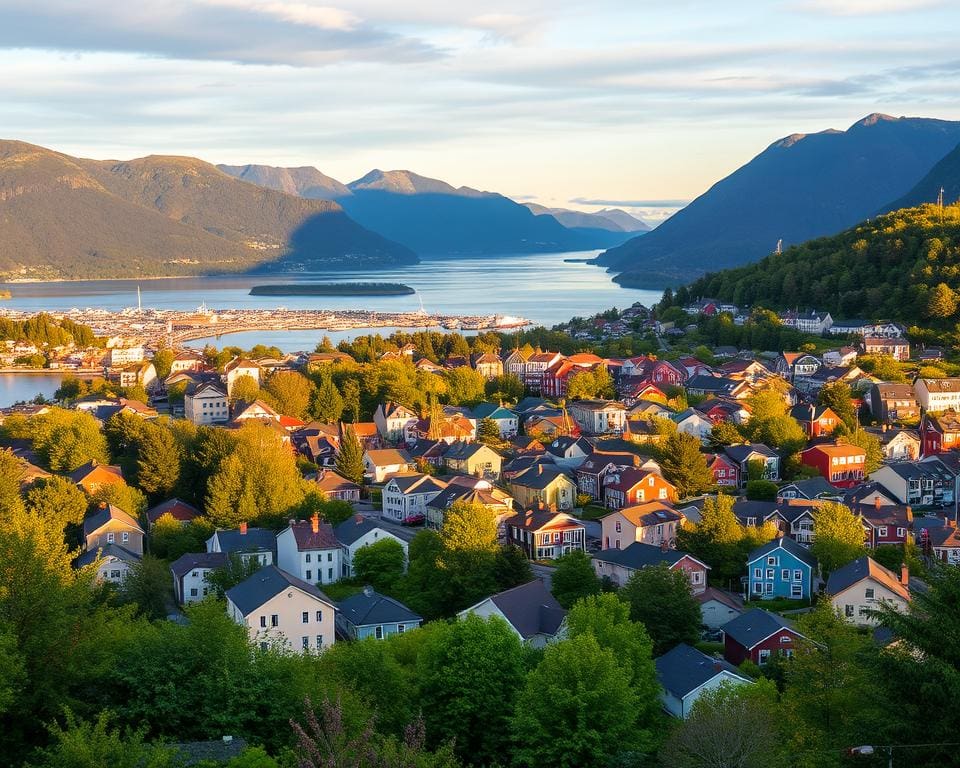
(543, 288)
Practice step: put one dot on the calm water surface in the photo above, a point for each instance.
(541, 287)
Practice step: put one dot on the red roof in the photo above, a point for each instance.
(307, 539)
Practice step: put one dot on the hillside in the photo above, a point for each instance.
(800, 187)
(944, 175)
(612, 220)
(431, 216)
(305, 181)
(65, 217)
(889, 267)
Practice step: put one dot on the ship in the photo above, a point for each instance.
(509, 321)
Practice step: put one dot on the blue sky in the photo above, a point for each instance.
(568, 103)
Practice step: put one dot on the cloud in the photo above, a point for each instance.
(866, 7)
(321, 17)
(632, 203)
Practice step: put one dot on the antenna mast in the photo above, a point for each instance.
(940, 204)
(779, 246)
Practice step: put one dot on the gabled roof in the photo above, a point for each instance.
(801, 553)
(539, 519)
(354, 528)
(179, 509)
(741, 453)
(639, 555)
(192, 560)
(600, 459)
(110, 472)
(462, 451)
(755, 626)
(254, 540)
(368, 607)
(650, 513)
(383, 457)
(812, 487)
(417, 483)
(308, 539)
(329, 481)
(267, 583)
(865, 568)
(530, 609)
(492, 411)
(683, 669)
(107, 551)
(538, 476)
(732, 601)
(104, 515)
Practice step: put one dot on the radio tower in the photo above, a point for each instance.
(779, 246)
(940, 205)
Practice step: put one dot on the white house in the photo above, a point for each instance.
(407, 495)
(861, 587)
(114, 562)
(383, 463)
(309, 550)
(241, 367)
(121, 356)
(394, 421)
(532, 612)
(357, 532)
(191, 575)
(205, 403)
(685, 674)
(278, 608)
(938, 394)
(692, 422)
(599, 417)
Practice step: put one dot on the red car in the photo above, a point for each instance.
(413, 520)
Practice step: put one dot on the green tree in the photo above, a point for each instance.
(837, 397)
(231, 573)
(91, 745)
(351, 400)
(131, 500)
(56, 500)
(574, 578)
(871, 446)
(577, 708)
(469, 673)
(464, 386)
(162, 361)
(724, 433)
(380, 564)
(292, 392)
(169, 538)
(684, 465)
(661, 599)
(66, 440)
(582, 386)
(158, 461)
(350, 458)
(244, 389)
(508, 388)
(839, 537)
(468, 556)
(488, 432)
(11, 473)
(148, 587)
(942, 302)
(327, 405)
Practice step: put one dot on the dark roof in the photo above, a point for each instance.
(461, 451)
(539, 476)
(370, 607)
(741, 453)
(801, 553)
(732, 601)
(265, 584)
(307, 538)
(813, 487)
(219, 751)
(179, 509)
(354, 528)
(108, 550)
(754, 626)
(255, 539)
(186, 563)
(104, 515)
(860, 569)
(683, 669)
(531, 609)
(639, 555)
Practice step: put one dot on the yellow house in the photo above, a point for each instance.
(543, 485)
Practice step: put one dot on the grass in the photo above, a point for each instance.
(709, 648)
(593, 512)
(342, 589)
(778, 604)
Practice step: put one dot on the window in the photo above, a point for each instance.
(868, 593)
(768, 588)
(305, 617)
(882, 530)
(770, 573)
(329, 557)
(305, 641)
(798, 575)
(378, 632)
(758, 587)
(115, 574)
(330, 574)
(796, 590)
(764, 656)
(901, 532)
(401, 628)
(785, 574)
(771, 561)
(124, 537)
(758, 573)
(319, 616)
(784, 639)
(193, 592)
(696, 577)
(319, 641)
(263, 621)
(274, 620)
(306, 558)
(111, 538)
(618, 526)
(263, 646)
(848, 611)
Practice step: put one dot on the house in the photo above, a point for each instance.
(205, 402)
(309, 550)
(816, 420)
(471, 491)
(333, 485)
(619, 565)
(852, 327)
(556, 377)
(120, 356)
(939, 432)
(861, 587)
(529, 609)
(545, 534)
(718, 607)
(93, 476)
(719, 409)
(757, 635)
(726, 472)
(744, 455)
(407, 495)
(536, 366)
(191, 575)
(685, 674)
(370, 614)
(693, 422)
(811, 321)
(915, 483)
(891, 402)
(662, 373)
(717, 386)
(569, 451)
(114, 562)
(506, 420)
(474, 459)
(278, 608)
(239, 367)
(938, 394)
(884, 523)
(394, 421)
(840, 356)
(593, 470)
(488, 365)
(111, 525)
(841, 464)
(258, 544)
(542, 484)
(599, 417)
(780, 568)
(653, 523)
(633, 485)
(943, 542)
(382, 464)
(356, 532)
(897, 444)
(898, 349)
(790, 365)
(141, 374)
(258, 410)
(178, 509)
(810, 489)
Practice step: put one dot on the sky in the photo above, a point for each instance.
(569, 103)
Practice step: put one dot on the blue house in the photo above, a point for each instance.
(370, 614)
(780, 568)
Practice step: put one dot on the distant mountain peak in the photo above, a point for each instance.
(403, 182)
(874, 118)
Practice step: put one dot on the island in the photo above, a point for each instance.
(5, 294)
(333, 289)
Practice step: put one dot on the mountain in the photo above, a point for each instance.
(66, 217)
(903, 266)
(305, 181)
(944, 175)
(431, 216)
(800, 187)
(610, 219)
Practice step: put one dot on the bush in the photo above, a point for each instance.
(761, 490)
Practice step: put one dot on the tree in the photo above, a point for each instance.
(838, 398)
(162, 362)
(469, 674)
(577, 708)
(488, 432)
(582, 386)
(724, 433)
(574, 578)
(464, 386)
(468, 557)
(942, 302)
(684, 465)
(147, 586)
(88, 745)
(350, 458)
(131, 500)
(231, 573)
(11, 473)
(380, 564)
(158, 461)
(66, 440)
(327, 405)
(871, 446)
(839, 537)
(761, 490)
(57, 500)
(351, 400)
(291, 391)
(660, 598)
(244, 389)
(732, 725)
(507, 387)
(169, 538)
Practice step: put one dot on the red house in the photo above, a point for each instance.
(885, 523)
(816, 420)
(558, 373)
(631, 486)
(939, 433)
(660, 372)
(758, 635)
(842, 465)
(725, 471)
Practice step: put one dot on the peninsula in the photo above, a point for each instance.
(333, 289)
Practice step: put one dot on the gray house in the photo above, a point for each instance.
(370, 614)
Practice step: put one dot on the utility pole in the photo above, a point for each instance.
(940, 205)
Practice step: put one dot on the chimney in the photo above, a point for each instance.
(904, 575)
(876, 502)
(358, 518)
(909, 514)
(243, 528)
(368, 590)
(663, 545)
(315, 523)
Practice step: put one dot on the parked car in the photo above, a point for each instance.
(413, 520)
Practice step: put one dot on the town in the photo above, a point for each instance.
(737, 515)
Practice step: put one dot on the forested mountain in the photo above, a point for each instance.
(65, 217)
(431, 216)
(944, 175)
(802, 186)
(904, 266)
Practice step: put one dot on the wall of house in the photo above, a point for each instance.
(113, 570)
(855, 599)
(370, 537)
(715, 614)
(118, 528)
(190, 583)
(289, 606)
